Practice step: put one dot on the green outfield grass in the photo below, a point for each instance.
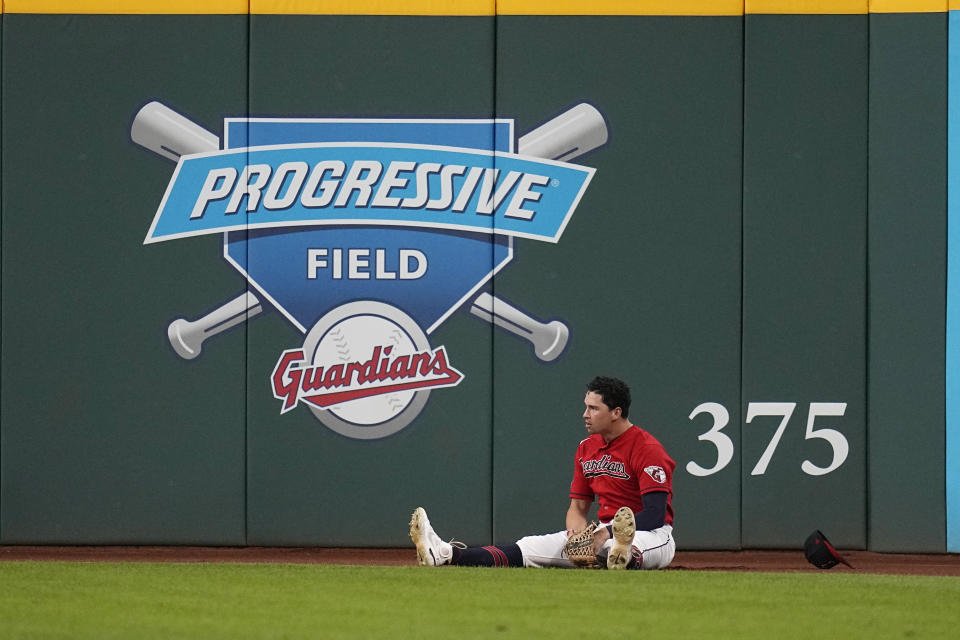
(146, 600)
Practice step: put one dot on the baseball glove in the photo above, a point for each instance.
(579, 548)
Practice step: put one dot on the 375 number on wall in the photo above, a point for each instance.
(784, 411)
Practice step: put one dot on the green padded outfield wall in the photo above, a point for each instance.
(647, 273)
(106, 438)
(907, 268)
(804, 277)
(745, 219)
(306, 482)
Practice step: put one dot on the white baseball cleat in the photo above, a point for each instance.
(431, 550)
(624, 526)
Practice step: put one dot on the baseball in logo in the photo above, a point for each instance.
(366, 235)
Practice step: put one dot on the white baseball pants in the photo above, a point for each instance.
(657, 546)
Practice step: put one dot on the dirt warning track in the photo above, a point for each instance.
(862, 561)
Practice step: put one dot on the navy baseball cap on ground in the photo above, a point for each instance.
(821, 553)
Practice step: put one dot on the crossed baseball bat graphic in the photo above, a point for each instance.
(573, 133)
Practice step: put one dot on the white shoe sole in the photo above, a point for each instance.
(424, 553)
(624, 526)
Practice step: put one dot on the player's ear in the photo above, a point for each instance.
(617, 412)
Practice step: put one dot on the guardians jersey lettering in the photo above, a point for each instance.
(618, 473)
(603, 467)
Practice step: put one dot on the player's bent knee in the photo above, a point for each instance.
(658, 547)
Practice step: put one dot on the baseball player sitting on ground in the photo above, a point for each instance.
(628, 471)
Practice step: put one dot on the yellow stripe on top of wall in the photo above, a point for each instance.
(621, 7)
(106, 7)
(292, 7)
(909, 6)
(384, 7)
(479, 7)
(833, 7)
(376, 7)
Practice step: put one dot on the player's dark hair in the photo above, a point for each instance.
(615, 393)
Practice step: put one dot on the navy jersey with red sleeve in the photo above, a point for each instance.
(618, 473)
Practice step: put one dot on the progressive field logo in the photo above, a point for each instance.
(367, 234)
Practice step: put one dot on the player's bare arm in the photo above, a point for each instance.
(577, 515)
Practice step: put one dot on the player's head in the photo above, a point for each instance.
(615, 393)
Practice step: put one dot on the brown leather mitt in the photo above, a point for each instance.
(579, 548)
